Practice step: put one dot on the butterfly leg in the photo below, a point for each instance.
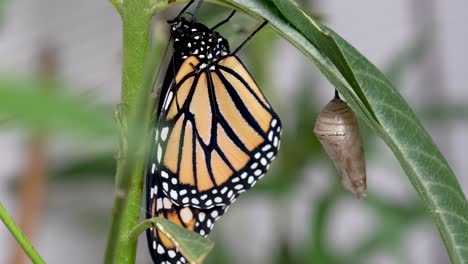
(185, 8)
(194, 17)
(248, 38)
(224, 21)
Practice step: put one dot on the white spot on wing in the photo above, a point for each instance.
(159, 204)
(159, 153)
(266, 147)
(214, 214)
(168, 100)
(201, 217)
(174, 194)
(171, 253)
(164, 133)
(250, 180)
(273, 123)
(167, 203)
(186, 214)
(160, 249)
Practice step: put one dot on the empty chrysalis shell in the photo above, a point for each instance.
(338, 132)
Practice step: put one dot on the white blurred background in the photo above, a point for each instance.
(86, 34)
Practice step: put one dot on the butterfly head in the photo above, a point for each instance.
(195, 39)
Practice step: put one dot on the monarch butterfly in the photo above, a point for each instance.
(215, 135)
(338, 132)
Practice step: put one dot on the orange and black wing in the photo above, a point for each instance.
(216, 134)
(162, 249)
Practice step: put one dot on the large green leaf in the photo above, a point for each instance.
(380, 105)
(34, 103)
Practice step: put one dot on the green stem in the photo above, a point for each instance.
(19, 236)
(136, 21)
(142, 226)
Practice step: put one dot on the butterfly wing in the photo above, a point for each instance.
(162, 249)
(216, 134)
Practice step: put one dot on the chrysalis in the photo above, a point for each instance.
(337, 130)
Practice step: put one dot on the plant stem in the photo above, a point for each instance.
(142, 226)
(136, 21)
(19, 236)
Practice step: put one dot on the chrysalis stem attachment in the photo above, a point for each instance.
(337, 95)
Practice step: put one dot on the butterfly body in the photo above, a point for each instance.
(195, 39)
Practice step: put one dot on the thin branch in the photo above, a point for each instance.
(19, 236)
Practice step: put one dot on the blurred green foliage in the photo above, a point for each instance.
(3, 7)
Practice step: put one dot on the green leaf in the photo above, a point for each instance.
(36, 104)
(380, 105)
(193, 246)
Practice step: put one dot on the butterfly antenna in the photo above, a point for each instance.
(194, 17)
(224, 21)
(251, 35)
